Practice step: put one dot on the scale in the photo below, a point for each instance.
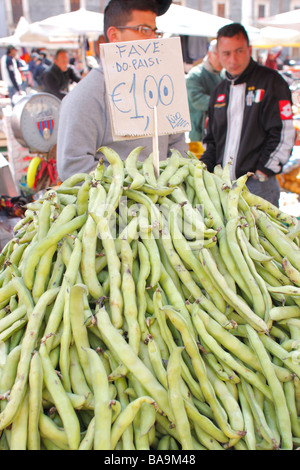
(34, 123)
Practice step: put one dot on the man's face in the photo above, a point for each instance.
(144, 18)
(234, 54)
(62, 61)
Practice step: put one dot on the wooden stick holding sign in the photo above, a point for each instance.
(155, 143)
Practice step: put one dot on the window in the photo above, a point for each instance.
(261, 11)
(221, 8)
(17, 10)
(75, 5)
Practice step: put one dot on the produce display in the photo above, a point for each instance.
(290, 181)
(151, 310)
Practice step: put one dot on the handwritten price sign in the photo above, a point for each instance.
(141, 76)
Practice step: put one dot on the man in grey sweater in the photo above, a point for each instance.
(84, 123)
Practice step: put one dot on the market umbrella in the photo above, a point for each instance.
(27, 34)
(72, 25)
(186, 21)
(289, 20)
(76, 26)
(271, 36)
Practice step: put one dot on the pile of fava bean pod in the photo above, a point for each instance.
(146, 308)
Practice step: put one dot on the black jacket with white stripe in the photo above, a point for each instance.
(251, 122)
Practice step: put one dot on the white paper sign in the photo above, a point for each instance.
(142, 75)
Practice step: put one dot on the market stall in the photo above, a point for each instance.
(150, 305)
(160, 313)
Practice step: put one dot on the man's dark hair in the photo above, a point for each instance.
(231, 30)
(60, 51)
(10, 48)
(118, 12)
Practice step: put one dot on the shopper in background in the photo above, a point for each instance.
(272, 59)
(84, 123)
(201, 81)
(39, 72)
(11, 74)
(44, 58)
(57, 78)
(250, 117)
(32, 66)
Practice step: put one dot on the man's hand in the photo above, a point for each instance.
(260, 176)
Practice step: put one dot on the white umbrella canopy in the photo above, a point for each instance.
(71, 25)
(271, 36)
(185, 21)
(32, 36)
(289, 20)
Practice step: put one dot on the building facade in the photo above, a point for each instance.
(245, 11)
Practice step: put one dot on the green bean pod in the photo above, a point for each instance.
(38, 250)
(126, 417)
(229, 359)
(88, 440)
(114, 270)
(61, 400)
(79, 329)
(88, 267)
(129, 295)
(282, 412)
(259, 417)
(19, 428)
(125, 353)
(176, 400)
(49, 430)
(290, 395)
(281, 242)
(70, 278)
(250, 437)
(102, 410)
(82, 201)
(138, 178)
(28, 344)
(241, 307)
(172, 166)
(291, 272)
(148, 170)
(200, 371)
(116, 188)
(35, 401)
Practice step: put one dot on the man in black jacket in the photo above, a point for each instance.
(60, 74)
(250, 117)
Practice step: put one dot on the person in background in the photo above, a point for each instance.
(41, 67)
(250, 117)
(57, 78)
(200, 82)
(271, 60)
(44, 58)
(11, 74)
(32, 66)
(84, 123)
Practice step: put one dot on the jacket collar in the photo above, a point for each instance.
(207, 65)
(243, 77)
